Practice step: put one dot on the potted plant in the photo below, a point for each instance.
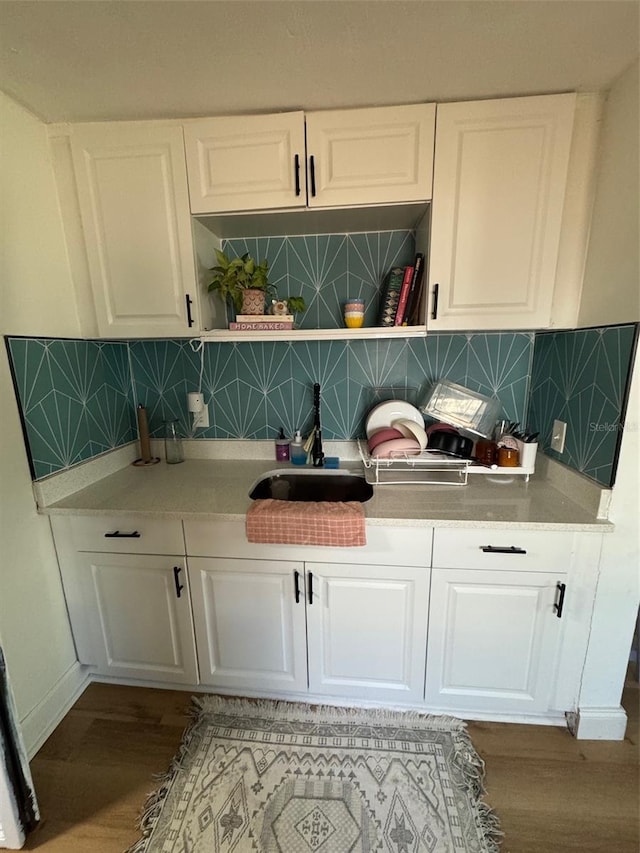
(242, 281)
(246, 284)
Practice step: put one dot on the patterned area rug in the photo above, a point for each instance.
(279, 777)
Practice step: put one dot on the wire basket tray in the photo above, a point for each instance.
(429, 467)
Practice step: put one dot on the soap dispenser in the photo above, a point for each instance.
(298, 454)
(282, 447)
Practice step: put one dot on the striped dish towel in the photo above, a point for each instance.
(306, 523)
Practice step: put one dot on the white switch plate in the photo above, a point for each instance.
(201, 418)
(558, 436)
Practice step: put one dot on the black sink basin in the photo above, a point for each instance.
(312, 485)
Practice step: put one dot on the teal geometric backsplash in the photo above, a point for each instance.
(78, 398)
(255, 388)
(75, 399)
(328, 269)
(580, 377)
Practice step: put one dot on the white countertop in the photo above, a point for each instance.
(205, 488)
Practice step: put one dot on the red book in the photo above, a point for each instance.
(404, 295)
(415, 292)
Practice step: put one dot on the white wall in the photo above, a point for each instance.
(611, 288)
(611, 294)
(36, 298)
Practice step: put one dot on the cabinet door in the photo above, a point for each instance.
(134, 203)
(250, 630)
(367, 631)
(372, 156)
(140, 626)
(493, 638)
(499, 182)
(246, 162)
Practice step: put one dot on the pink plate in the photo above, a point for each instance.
(384, 434)
(396, 446)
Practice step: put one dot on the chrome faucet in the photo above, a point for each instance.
(316, 449)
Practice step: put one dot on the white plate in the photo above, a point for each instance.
(383, 414)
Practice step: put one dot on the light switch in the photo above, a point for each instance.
(558, 436)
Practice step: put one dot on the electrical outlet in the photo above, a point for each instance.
(558, 436)
(201, 418)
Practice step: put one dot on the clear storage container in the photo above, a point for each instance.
(468, 410)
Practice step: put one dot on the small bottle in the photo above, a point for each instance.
(298, 455)
(282, 447)
(173, 449)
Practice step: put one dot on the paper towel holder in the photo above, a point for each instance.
(146, 458)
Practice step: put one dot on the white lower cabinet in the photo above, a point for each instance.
(485, 632)
(361, 628)
(493, 640)
(127, 593)
(366, 629)
(250, 631)
(141, 624)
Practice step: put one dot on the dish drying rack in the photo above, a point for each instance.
(426, 467)
(429, 467)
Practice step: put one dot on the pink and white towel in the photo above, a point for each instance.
(341, 524)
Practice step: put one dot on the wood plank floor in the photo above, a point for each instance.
(551, 792)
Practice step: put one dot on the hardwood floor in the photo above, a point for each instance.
(551, 792)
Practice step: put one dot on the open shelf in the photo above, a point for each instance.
(368, 333)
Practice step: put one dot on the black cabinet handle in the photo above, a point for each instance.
(312, 172)
(310, 588)
(176, 580)
(189, 302)
(296, 581)
(493, 549)
(434, 311)
(117, 535)
(296, 170)
(561, 588)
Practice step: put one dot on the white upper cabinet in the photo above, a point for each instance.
(352, 158)
(499, 182)
(382, 155)
(134, 207)
(246, 162)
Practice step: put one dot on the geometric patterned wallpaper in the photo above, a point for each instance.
(78, 397)
(254, 388)
(580, 377)
(328, 269)
(75, 399)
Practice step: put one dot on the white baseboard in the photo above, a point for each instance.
(42, 720)
(601, 723)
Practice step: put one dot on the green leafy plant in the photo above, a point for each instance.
(296, 304)
(231, 277)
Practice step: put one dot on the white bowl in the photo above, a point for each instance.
(409, 429)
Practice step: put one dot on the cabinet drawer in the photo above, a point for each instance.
(386, 546)
(127, 534)
(487, 548)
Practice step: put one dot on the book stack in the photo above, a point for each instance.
(402, 295)
(261, 323)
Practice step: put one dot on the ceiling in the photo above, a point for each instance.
(81, 60)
